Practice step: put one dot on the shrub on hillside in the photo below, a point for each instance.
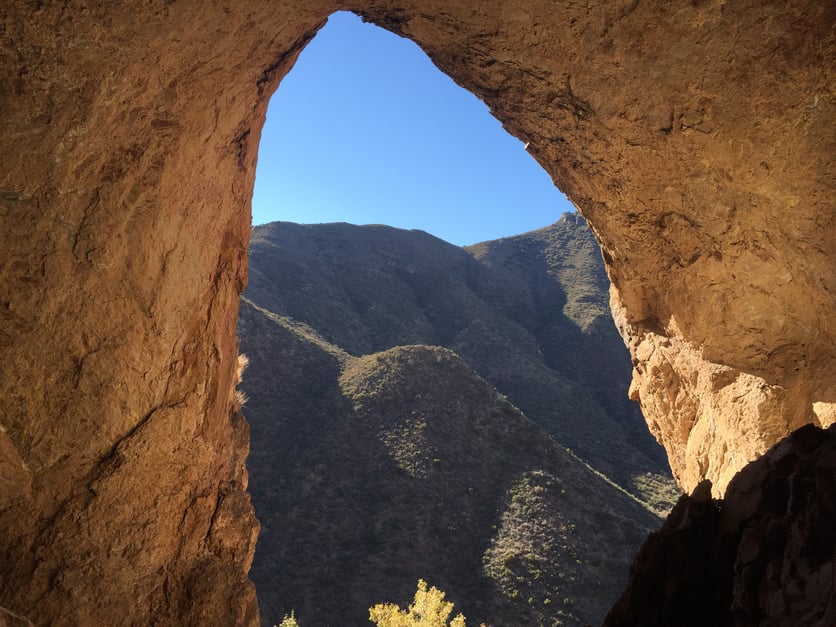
(428, 609)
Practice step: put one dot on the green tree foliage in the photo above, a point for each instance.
(429, 609)
(289, 621)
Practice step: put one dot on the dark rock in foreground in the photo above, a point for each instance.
(763, 555)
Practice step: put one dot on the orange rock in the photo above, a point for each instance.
(696, 139)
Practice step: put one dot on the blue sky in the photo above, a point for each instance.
(365, 129)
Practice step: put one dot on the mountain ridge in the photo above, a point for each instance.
(391, 386)
(406, 464)
(501, 305)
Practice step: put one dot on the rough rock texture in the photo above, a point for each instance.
(697, 138)
(9, 619)
(764, 555)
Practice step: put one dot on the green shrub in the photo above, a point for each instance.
(289, 621)
(429, 609)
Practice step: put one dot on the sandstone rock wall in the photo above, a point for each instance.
(126, 173)
(698, 140)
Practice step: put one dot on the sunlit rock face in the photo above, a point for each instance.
(697, 139)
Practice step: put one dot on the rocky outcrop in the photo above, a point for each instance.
(696, 138)
(763, 555)
(712, 418)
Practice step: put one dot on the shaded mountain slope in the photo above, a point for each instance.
(528, 313)
(370, 472)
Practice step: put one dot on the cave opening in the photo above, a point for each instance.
(366, 130)
(695, 137)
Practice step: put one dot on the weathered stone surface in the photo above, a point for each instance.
(9, 619)
(697, 139)
(763, 555)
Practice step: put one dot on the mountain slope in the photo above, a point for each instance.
(369, 473)
(528, 313)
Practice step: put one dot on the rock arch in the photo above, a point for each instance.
(696, 138)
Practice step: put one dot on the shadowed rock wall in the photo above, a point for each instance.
(697, 139)
(764, 555)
